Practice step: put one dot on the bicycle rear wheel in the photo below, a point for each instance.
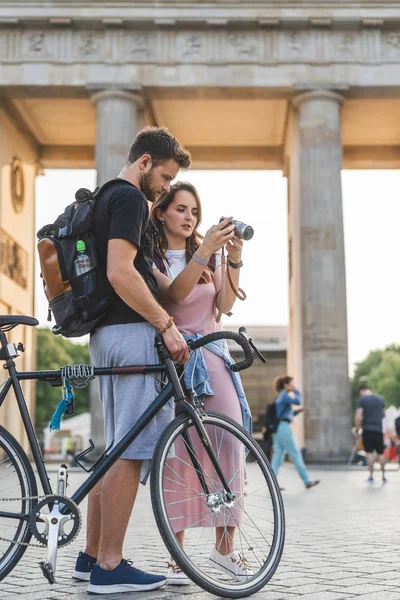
(251, 523)
(17, 482)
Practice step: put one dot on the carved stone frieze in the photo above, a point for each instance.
(191, 47)
(244, 47)
(391, 45)
(316, 45)
(139, 47)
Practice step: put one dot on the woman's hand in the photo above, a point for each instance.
(216, 237)
(234, 249)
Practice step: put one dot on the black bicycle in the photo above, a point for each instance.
(208, 478)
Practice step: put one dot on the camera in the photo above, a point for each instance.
(242, 231)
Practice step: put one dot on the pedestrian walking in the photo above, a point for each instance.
(283, 439)
(369, 415)
(188, 273)
(123, 236)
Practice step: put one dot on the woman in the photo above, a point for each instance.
(189, 277)
(283, 439)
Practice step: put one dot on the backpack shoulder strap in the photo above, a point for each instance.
(116, 181)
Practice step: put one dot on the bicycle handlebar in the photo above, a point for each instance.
(227, 335)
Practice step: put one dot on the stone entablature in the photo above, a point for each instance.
(266, 46)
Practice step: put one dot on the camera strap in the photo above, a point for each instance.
(220, 296)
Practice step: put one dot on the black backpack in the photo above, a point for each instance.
(271, 420)
(78, 303)
(397, 426)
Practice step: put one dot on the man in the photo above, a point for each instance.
(124, 241)
(369, 414)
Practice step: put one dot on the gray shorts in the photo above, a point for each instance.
(126, 397)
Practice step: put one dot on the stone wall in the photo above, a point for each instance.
(17, 255)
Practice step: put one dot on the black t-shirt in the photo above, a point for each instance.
(122, 212)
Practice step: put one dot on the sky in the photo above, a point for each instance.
(371, 209)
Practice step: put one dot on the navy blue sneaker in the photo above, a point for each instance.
(83, 567)
(123, 578)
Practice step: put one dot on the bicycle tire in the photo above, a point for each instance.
(201, 576)
(17, 480)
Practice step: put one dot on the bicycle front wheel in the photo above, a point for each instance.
(232, 543)
(17, 486)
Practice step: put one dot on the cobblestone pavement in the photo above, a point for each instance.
(342, 542)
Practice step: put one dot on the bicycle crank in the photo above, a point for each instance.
(55, 521)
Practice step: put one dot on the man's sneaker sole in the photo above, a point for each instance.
(123, 587)
(81, 576)
(177, 581)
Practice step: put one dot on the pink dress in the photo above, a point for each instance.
(185, 499)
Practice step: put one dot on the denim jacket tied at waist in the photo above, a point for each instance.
(197, 377)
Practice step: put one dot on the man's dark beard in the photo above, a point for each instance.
(146, 181)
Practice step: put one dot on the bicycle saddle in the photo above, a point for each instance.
(14, 320)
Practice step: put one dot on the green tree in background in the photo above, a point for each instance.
(381, 372)
(54, 352)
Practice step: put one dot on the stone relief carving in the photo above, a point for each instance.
(392, 44)
(294, 42)
(244, 47)
(17, 185)
(140, 46)
(88, 46)
(36, 42)
(13, 260)
(264, 46)
(393, 39)
(192, 46)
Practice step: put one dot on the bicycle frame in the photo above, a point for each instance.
(172, 389)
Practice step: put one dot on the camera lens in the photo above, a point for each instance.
(248, 233)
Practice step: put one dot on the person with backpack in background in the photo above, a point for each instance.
(369, 416)
(283, 438)
(123, 236)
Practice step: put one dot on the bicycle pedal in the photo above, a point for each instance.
(47, 572)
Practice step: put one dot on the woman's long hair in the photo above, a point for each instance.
(280, 382)
(192, 242)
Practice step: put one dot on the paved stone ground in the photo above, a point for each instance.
(342, 542)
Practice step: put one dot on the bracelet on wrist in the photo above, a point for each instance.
(235, 265)
(201, 261)
(167, 326)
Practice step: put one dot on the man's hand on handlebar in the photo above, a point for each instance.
(176, 345)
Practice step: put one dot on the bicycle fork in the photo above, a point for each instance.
(215, 500)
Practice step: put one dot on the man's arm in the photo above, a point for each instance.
(358, 418)
(131, 287)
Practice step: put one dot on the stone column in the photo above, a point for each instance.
(318, 320)
(118, 114)
(116, 127)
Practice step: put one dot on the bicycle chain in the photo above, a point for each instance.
(16, 543)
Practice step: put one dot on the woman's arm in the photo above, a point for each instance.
(163, 283)
(216, 237)
(288, 399)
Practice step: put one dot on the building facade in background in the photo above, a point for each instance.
(304, 87)
(257, 381)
